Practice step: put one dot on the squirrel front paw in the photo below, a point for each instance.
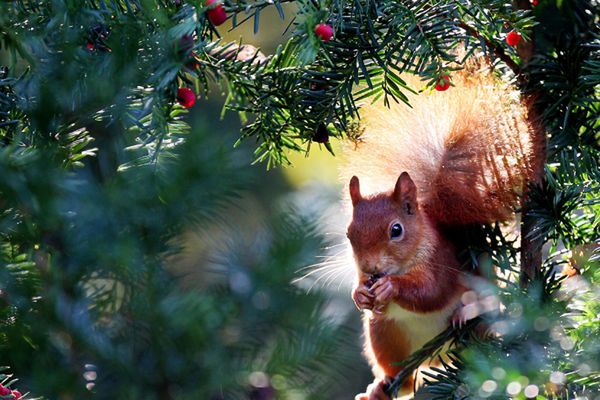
(362, 298)
(375, 391)
(384, 291)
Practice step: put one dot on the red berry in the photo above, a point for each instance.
(90, 46)
(443, 83)
(17, 394)
(4, 391)
(216, 15)
(534, 2)
(186, 97)
(513, 38)
(324, 32)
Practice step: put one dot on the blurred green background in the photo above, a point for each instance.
(256, 301)
(311, 186)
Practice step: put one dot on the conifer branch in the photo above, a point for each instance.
(451, 336)
(498, 50)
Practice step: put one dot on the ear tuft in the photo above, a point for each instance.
(405, 194)
(355, 190)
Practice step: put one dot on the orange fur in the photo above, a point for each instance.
(458, 157)
(387, 344)
(469, 150)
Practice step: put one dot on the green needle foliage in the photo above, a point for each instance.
(306, 83)
(102, 177)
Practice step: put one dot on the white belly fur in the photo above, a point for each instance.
(419, 327)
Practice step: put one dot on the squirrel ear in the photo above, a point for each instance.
(405, 193)
(355, 190)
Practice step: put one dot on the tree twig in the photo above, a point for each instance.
(498, 51)
(429, 350)
(531, 245)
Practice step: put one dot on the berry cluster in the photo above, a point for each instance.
(6, 393)
(513, 38)
(217, 15)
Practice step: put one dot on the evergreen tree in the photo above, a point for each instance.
(101, 177)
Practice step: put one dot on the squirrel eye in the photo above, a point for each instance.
(396, 231)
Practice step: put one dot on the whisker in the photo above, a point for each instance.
(325, 276)
(327, 267)
(336, 276)
(323, 263)
(447, 267)
(330, 275)
(335, 234)
(333, 246)
(333, 255)
(340, 285)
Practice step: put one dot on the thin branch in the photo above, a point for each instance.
(237, 8)
(498, 51)
(430, 350)
(531, 245)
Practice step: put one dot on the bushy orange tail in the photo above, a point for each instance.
(469, 149)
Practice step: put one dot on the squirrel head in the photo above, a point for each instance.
(386, 229)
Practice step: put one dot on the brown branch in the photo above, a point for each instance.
(531, 245)
(498, 51)
(525, 49)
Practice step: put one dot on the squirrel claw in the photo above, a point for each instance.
(385, 289)
(362, 299)
(464, 314)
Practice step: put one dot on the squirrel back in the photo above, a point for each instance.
(469, 150)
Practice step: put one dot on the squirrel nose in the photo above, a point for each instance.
(367, 263)
(370, 270)
(369, 267)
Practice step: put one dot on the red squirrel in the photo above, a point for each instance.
(455, 158)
